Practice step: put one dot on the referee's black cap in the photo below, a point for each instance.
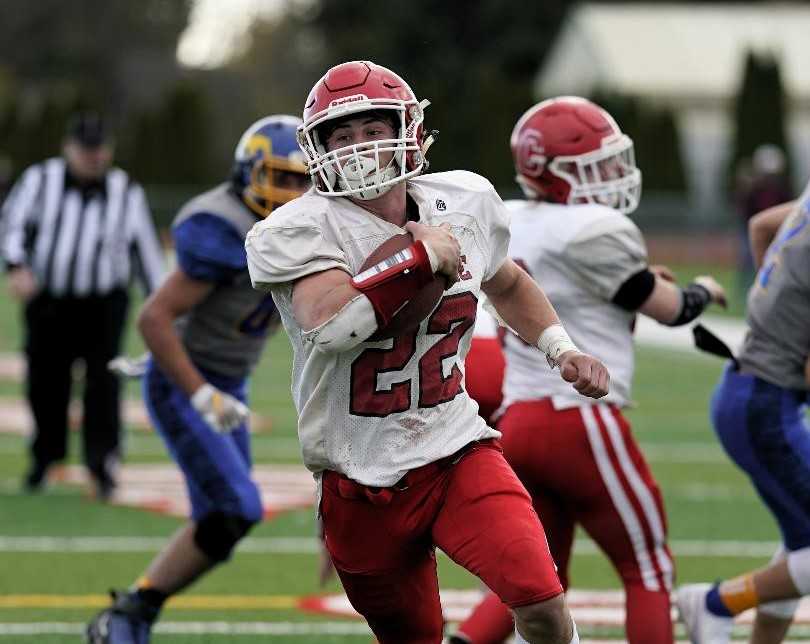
(88, 128)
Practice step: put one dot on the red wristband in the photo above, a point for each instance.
(392, 283)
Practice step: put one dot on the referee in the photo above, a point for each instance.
(75, 233)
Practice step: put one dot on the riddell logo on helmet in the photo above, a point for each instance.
(354, 98)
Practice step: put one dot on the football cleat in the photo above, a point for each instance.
(127, 621)
(702, 626)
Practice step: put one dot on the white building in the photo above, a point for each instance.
(689, 58)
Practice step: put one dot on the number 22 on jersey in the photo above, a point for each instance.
(452, 318)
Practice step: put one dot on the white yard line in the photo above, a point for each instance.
(650, 333)
(200, 628)
(310, 545)
(267, 629)
(694, 452)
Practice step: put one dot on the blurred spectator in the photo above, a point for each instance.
(761, 183)
(76, 229)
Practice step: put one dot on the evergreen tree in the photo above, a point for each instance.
(172, 143)
(759, 109)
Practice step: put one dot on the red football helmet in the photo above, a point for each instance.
(569, 150)
(348, 89)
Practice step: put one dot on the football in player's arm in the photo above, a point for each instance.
(386, 426)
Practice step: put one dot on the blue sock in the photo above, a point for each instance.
(715, 605)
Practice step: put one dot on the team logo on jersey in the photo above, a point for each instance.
(440, 205)
(531, 153)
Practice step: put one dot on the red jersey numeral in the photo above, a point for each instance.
(366, 398)
(454, 316)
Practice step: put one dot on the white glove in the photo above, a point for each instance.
(127, 367)
(220, 410)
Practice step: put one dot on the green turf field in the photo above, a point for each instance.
(57, 585)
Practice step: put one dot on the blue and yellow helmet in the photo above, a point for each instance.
(269, 167)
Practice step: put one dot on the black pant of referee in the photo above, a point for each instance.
(60, 331)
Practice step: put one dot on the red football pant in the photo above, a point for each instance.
(483, 375)
(475, 510)
(583, 465)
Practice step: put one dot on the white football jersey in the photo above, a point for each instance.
(386, 407)
(580, 255)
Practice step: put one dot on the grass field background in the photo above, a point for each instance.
(707, 499)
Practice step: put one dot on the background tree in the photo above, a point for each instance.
(55, 57)
(475, 60)
(113, 52)
(759, 110)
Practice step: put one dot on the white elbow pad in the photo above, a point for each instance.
(347, 328)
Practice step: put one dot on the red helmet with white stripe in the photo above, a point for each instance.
(569, 150)
(344, 91)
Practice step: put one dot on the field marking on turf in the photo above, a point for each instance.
(225, 628)
(592, 609)
(160, 487)
(269, 629)
(694, 452)
(311, 545)
(182, 602)
(648, 332)
(200, 628)
(276, 545)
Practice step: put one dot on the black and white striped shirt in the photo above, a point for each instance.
(80, 242)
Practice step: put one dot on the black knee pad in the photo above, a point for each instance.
(218, 533)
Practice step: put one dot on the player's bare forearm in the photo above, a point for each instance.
(167, 350)
(176, 296)
(520, 302)
(763, 226)
(318, 297)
